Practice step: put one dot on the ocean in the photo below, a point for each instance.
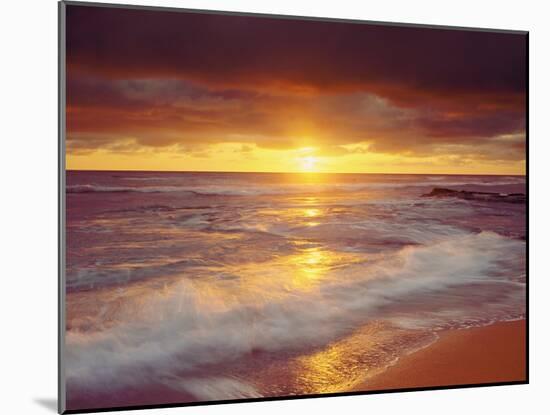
(186, 287)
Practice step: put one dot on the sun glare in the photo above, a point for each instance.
(308, 163)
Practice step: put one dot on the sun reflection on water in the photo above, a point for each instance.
(311, 212)
(308, 267)
(349, 361)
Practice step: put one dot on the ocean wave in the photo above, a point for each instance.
(95, 277)
(267, 189)
(169, 333)
(90, 188)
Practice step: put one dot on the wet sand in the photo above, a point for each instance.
(495, 353)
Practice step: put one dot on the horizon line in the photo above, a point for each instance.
(290, 172)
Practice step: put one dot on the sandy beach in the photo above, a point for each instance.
(494, 353)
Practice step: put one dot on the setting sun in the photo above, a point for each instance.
(308, 163)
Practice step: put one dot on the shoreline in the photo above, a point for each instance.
(489, 354)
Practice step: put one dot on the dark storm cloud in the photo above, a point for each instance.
(244, 50)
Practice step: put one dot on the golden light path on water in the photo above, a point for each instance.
(304, 269)
(346, 362)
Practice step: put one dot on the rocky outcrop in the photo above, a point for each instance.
(483, 196)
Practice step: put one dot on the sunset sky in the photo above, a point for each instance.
(150, 90)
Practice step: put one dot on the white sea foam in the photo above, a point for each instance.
(216, 388)
(166, 334)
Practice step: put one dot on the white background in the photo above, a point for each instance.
(28, 151)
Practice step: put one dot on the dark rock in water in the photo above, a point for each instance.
(483, 196)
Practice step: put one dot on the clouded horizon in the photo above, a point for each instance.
(151, 90)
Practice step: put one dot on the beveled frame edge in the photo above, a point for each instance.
(289, 17)
(61, 118)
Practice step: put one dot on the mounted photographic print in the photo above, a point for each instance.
(258, 207)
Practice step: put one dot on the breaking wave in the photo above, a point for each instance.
(160, 338)
(244, 190)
